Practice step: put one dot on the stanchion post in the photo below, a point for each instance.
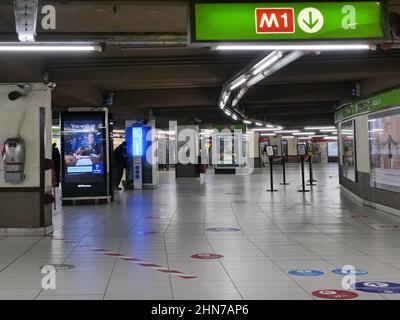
(284, 183)
(271, 176)
(303, 183)
(311, 178)
(301, 152)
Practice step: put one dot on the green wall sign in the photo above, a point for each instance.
(379, 102)
(268, 21)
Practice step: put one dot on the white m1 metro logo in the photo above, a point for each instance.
(310, 20)
(275, 20)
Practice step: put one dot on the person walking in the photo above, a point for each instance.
(120, 163)
(57, 163)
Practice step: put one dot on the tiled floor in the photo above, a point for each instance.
(278, 232)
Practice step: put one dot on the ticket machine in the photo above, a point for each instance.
(135, 145)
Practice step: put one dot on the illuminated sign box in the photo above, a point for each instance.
(227, 22)
(134, 138)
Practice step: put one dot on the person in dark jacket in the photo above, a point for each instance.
(120, 163)
(57, 163)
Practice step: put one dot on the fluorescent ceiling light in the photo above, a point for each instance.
(48, 46)
(266, 62)
(267, 129)
(375, 130)
(258, 124)
(234, 117)
(238, 82)
(206, 131)
(225, 97)
(303, 133)
(235, 102)
(328, 130)
(279, 64)
(267, 134)
(270, 126)
(247, 121)
(287, 137)
(227, 113)
(286, 131)
(160, 131)
(320, 128)
(313, 47)
(330, 138)
(255, 80)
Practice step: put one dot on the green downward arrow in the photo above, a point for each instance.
(310, 23)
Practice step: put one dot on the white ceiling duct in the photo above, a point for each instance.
(26, 12)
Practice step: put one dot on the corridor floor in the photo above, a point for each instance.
(141, 246)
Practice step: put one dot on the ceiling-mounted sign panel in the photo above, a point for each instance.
(225, 22)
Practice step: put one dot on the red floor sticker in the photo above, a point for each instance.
(139, 262)
(207, 256)
(383, 226)
(334, 294)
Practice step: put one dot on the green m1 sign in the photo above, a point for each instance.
(224, 22)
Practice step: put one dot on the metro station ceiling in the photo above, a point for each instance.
(148, 65)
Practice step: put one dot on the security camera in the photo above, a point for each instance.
(14, 95)
(51, 85)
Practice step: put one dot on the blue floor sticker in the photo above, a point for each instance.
(344, 272)
(306, 273)
(378, 287)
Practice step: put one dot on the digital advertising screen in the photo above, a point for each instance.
(384, 146)
(332, 149)
(83, 153)
(348, 150)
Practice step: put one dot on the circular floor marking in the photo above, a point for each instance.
(306, 273)
(206, 256)
(344, 272)
(378, 287)
(334, 294)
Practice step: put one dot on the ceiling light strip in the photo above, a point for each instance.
(43, 47)
(310, 47)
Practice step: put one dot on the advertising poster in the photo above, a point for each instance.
(83, 153)
(348, 149)
(384, 143)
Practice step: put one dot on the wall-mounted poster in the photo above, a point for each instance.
(83, 146)
(384, 145)
(346, 130)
